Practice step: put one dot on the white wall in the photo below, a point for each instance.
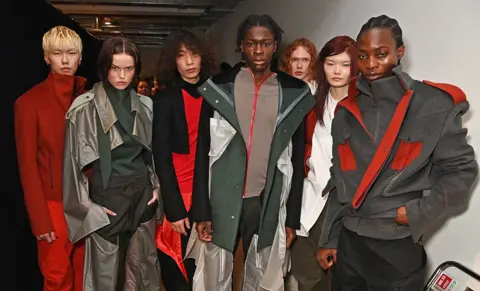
(443, 42)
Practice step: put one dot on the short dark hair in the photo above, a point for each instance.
(383, 21)
(193, 40)
(259, 20)
(112, 46)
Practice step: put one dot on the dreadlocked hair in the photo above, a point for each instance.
(263, 20)
(383, 21)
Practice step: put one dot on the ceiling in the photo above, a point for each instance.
(147, 22)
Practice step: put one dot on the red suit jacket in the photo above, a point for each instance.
(39, 135)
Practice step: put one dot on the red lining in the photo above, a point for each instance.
(406, 153)
(252, 122)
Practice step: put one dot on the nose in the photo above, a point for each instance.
(337, 70)
(64, 59)
(371, 63)
(122, 74)
(257, 50)
(299, 65)
(189, 59)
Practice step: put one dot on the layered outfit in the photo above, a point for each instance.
(109, 134)
(392, 140)
(248, 176)
(175, 131)
(318, 156)
(39, 135)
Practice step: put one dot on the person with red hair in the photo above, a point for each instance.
(299, 59)
(335, 67)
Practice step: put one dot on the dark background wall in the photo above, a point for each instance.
(23, 66)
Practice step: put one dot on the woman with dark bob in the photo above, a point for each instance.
(109, 184)
(186, 61)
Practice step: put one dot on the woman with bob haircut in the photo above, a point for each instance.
(108, 135)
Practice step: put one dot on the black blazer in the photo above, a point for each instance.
(170, 135)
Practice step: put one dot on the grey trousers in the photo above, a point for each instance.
(102, 258)
(305, 267)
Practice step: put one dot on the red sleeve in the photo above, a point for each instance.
(310, 124)
(26, 138)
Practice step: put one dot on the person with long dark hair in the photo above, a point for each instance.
(108, 135)
(335, 67)
(186, 60)
(393, 138)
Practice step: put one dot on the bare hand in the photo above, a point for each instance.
(155, 197)
(402, 216)
(326, 258)
(291, 236)
(204, 230)
(109, 212)
(181, 226)
(48, 237)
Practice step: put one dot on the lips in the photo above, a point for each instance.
(298, 73)
(373, 76)
(259, 62)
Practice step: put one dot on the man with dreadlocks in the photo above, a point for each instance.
(249, 166)
(393, 138)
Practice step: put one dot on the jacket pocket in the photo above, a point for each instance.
(406, 153)
(346, 156)
(50, 172)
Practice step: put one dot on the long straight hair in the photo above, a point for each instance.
(335, 46)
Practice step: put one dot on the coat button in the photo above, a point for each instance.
(233, 217)
(216, 101)
(204, 88)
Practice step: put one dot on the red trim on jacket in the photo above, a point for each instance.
(456, 93)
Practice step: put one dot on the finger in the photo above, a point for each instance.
(181, 229)
(187, 223)
(39, 237)
(53, 236)
(109, 212)
(49, 239)
(334, 257)
(154, 198)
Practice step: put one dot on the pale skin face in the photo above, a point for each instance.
(337, 70)
(122, 72)
(63, 61)
(189, 65)
(300, 61)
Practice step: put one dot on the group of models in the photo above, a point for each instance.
(128, 192)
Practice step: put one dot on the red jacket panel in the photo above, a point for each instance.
(39, 135)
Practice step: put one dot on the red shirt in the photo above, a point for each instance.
(184, 163)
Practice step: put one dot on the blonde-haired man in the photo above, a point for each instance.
(39, 134)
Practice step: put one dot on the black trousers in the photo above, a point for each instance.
(249, 223)
(172, 277)
(366, 264)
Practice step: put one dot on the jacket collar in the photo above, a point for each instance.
(104, 107)
(400, 81)
(65, 88)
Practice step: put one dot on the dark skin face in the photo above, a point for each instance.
(378, 53)
(258, 47)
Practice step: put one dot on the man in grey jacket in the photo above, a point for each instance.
(393, 138)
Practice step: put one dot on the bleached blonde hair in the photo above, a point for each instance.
(61, 37)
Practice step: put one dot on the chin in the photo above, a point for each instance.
(120, 87)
